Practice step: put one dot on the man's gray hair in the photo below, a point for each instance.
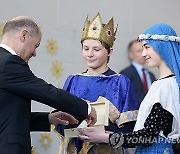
(20, 23)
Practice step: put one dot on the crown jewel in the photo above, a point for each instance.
(98, 31)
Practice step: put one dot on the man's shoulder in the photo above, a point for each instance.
(128, 70)
(4, 56)
(11, 62)
(4, 52)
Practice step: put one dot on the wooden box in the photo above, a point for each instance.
(102, 110)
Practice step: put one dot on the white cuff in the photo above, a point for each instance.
(89, 108)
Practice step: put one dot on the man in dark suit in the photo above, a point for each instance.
(138, 74)
(18, 86)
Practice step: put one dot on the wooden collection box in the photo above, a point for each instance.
(102, 110)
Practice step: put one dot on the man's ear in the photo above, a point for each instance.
(23, 35)
(111, 51)
(131, 55)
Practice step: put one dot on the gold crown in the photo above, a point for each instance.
(97, 31)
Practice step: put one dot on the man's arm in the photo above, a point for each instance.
(41, 121)
(18, 79)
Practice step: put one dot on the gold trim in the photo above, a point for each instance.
(127, 117)
(96, 75)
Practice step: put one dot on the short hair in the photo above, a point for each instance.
(107, 48)
(18, 24)
(130, 44)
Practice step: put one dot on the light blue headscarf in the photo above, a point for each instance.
(168, 49)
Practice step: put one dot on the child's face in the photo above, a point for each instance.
(95, 54)
(152, 57)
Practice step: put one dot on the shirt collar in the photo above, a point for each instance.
(138, 67)
(8, 49)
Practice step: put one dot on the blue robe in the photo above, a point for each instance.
(116, 88)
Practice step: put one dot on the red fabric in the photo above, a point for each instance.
(145, 80)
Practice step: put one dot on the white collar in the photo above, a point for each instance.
(8, 49)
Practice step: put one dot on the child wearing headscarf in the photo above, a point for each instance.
(158, 121)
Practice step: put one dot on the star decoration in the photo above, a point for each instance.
(52, 46)
(33, 151)
(45, 140)
(1, 29)
(56, 68)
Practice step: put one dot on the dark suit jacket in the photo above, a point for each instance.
(135, 79)
(18, 86)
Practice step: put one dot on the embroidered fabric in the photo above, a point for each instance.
(158, 120)
(158, 37)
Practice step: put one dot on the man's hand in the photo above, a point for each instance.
(92, 117)
(62, 118)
